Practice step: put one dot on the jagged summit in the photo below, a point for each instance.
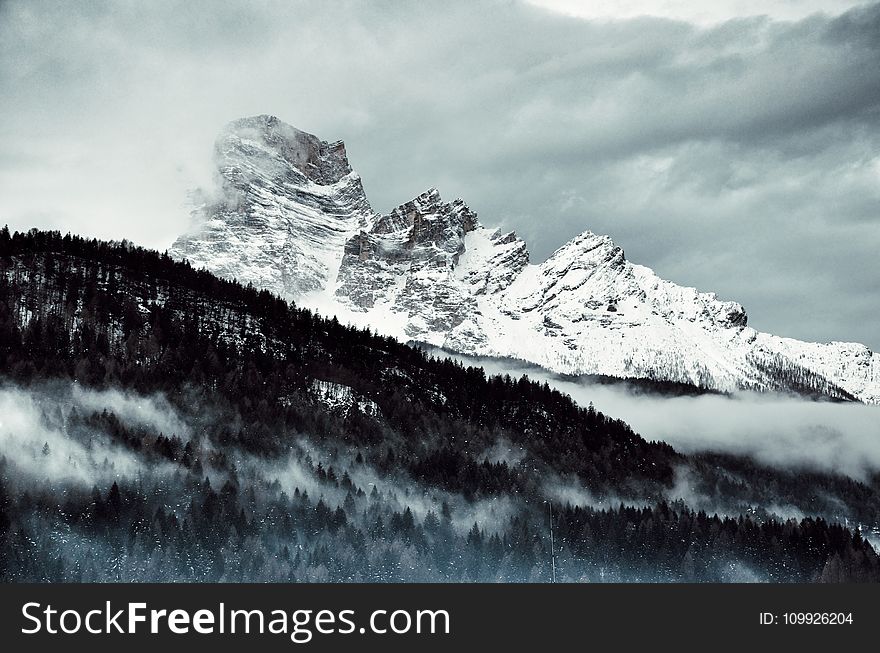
(424, 222)
(269, 138)
(593, 264)
(284, 205)
(291, 216)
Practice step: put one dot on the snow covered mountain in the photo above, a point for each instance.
(289, 215)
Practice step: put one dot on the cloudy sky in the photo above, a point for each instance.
(731, 145)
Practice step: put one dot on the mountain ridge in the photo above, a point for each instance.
(293, 218)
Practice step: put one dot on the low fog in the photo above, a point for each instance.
(35, 440)
(778, 430)
(43, 445)
(153, 411)
(295, 472)
(59, 441)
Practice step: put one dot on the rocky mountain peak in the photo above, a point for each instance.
(587, 250)
(285, 204)
(293, 218)
(430, 220)
(272, 143)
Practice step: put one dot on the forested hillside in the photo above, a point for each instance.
(164, 424)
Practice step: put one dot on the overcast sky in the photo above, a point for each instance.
(729, 150)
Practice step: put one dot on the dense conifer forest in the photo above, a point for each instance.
(160, 424)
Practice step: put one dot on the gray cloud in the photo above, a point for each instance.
(741, 157)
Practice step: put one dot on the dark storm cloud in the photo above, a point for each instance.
(742, 157)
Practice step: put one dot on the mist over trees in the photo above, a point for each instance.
(185, 427)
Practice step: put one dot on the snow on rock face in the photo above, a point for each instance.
(406, 265)
(341, 399)
(285, 205)
(593, 266)
(293, 219)
(492, 260)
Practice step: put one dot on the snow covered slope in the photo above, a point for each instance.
(293, 218)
